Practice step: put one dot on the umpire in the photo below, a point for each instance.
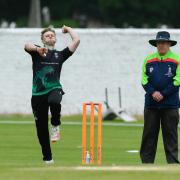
(161, 80)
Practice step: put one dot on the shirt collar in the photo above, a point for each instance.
(49, 47)
(164, 56)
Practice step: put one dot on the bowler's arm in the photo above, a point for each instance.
(74, 36)
(29, 47)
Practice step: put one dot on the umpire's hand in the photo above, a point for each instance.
(157, 96)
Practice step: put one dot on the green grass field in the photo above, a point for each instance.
(20, 155)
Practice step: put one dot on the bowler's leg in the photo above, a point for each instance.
(54, 101)
(40, 111)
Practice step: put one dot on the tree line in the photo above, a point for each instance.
(114, 13)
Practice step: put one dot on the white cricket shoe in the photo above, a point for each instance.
(55, 133)
(49, 162)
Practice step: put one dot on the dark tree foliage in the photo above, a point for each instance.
(120, 13)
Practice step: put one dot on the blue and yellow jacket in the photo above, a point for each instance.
(162, 73)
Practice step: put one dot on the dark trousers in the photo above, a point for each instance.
(40, 106)
(168, 120)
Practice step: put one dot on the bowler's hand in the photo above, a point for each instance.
(157, 96)
(42, 51)
(65, 29)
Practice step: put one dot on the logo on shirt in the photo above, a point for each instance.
(169, 73)
(56, 55)
(151, 69)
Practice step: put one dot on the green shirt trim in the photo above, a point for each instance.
(46, 91)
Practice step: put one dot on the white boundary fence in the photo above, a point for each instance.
(106, 58)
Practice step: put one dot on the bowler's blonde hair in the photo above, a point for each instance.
(46, 30)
